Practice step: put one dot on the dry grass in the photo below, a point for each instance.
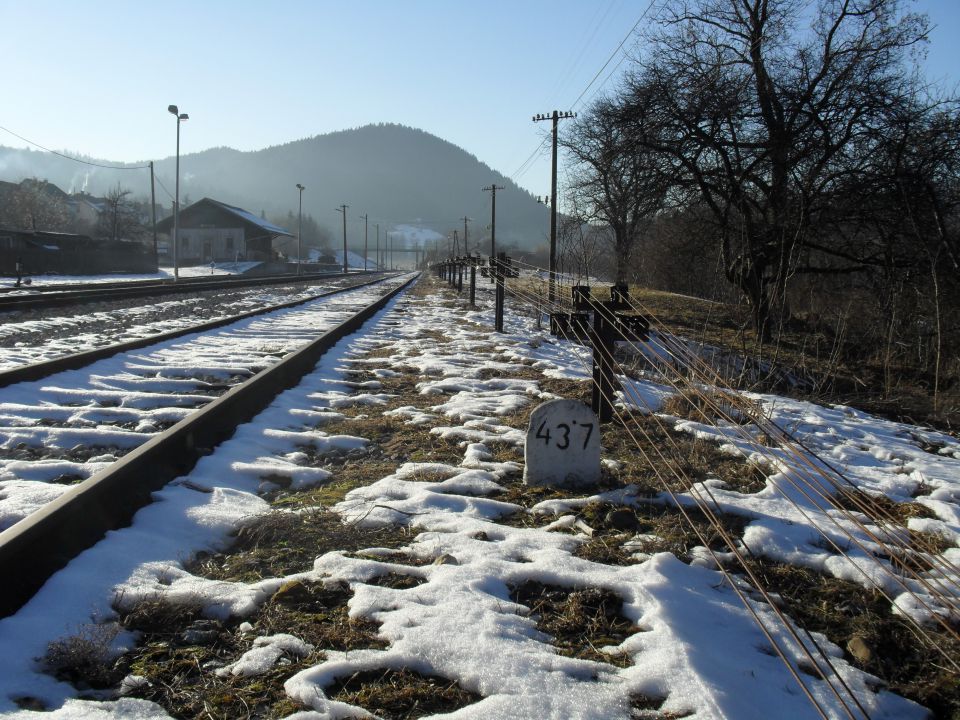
(658, 457)
(403, 694)
(711, 406)
(880, 506)
(674, 532)
(860, 620)
(86, 659)
(180, 667)
(282, 543)
(581, 621)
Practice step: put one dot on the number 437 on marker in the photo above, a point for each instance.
(561, 433)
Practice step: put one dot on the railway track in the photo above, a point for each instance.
(35, 346)
(68, 294)
(86, 440)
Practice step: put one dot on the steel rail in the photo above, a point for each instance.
(75, 361)
(45, 541)
(60, 296)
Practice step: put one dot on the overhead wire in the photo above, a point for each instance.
(528, 162)
(694, 493)
(688, 484)
(941, 597)
(574, 59)
(811, 474)
(615, 52)
(74, 159)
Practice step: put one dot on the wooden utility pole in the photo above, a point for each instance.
(153, 216)
(555, 117)
(365, 228)
(377, 263)
(466, 247)
(343, 209)
(493, 187)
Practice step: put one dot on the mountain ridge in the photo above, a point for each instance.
(394, 173)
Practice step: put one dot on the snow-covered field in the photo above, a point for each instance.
(696, 642)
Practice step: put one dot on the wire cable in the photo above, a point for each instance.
(78, 160)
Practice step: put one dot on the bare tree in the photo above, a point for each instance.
(765, 116)
(120, 218)
(36, 205)
(611, 182)
(581, 247)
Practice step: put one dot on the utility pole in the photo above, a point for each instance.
(343, 209)
(153, 215)
(377, 263)
(456, 245)
(555, 117)
(365, 228)
(301, 188)
(466, 248)
(493, 225)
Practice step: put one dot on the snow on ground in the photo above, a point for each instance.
(31, 336)
(118, 403)
(697, 645)
(164, 273)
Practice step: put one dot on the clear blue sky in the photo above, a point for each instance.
(96, 76)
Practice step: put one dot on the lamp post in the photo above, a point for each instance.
(172, 109)
(301, 188)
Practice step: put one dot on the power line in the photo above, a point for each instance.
(157, 180)
(67, 157)
(527, 164)
(614, 53)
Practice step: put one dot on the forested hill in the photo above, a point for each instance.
(397, 175)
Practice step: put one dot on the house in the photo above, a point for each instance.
(212, 231)
(45, 253)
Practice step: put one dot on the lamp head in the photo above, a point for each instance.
(173, 109)
(183, 116)
(300, 187)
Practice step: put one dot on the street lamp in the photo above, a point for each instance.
(176, 202)
(301, 188)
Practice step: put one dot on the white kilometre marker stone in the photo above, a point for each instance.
(563, 445)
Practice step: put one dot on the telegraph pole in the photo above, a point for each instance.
(555, 117)
(377, 263)
(493, 217)
(343, 209)
(153, 216)
(301, 188)
(365, 228)
(466, 247)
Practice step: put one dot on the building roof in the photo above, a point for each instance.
(244, 215)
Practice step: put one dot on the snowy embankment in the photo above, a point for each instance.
(694, 646)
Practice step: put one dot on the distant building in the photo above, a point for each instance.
(212, 231)
(53, 253)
